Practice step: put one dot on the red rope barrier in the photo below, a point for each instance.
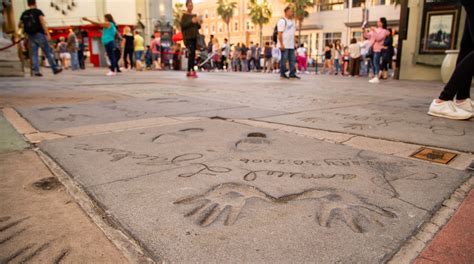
(11, 45)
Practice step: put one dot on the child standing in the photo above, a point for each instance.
(302, 59)
(354, 53)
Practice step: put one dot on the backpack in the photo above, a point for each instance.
(31, 23)
(275, 32)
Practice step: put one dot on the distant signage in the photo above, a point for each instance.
(440, 26)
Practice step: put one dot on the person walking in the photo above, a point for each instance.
(286, 42)
(108, 39)
(302, 59)
(337, 56)
(225, 54)
(377, 36)
(387, 54)
(118, 49)
(327, 67)
(365, 57)
(459, 85)
(64, 55)
(128, 50)
(276, 57)
(139, 47)
(34, 25)
(267, 58)
(190, 25)
(81, 49)
(156, 51)
(72, 50)
(354, 53)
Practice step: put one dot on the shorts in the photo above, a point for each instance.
(156, 56)
(275, 60)
(65, 55)
(139, 55)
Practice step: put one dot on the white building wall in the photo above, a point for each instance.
(124, 11)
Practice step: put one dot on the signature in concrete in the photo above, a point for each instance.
(226, 201)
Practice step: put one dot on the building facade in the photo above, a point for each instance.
(62, 16)
(329, 21)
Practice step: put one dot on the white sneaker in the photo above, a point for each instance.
(111, 73)
(374, 80)
(448, 109)
(466, 105)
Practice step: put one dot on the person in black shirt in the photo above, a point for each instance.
(190, 25)
(33, 23)
(128, 47)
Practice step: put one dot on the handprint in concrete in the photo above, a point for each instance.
(352, 209)
(230, 197)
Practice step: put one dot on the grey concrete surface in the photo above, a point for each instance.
(49, 118)
(402, 120)
(217, 191)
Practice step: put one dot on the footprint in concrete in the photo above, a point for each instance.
(252, 142)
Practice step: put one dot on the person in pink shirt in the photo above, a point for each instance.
(155, 46)
(376, 36)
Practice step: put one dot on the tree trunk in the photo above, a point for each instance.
(300, 22)
(261, 35)
(228, 31)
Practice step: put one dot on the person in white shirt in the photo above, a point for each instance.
(286, 42)
(302, 58)
(276, 57)
(365, 57)
(354, 53)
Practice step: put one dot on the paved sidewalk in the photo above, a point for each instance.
(245, 167)
(455, 242)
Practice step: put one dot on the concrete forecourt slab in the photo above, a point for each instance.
(217, 191)
(395, 120)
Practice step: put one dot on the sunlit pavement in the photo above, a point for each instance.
(245, 167)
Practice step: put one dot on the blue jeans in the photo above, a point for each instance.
(110, 49)
(74, 60)
(288, 54)
(37, 41)
(376, 63)
(337, 65)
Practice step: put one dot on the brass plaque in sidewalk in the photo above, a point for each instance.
(434, 155)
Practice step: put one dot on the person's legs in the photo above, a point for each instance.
(336, 65)
(109, 48)
(356, 69)
(74, 60)
(462, 77)
(284, 58)
(43, 43)
(192, 54)
(118, 55)
(292, 61)
(34, 52)
(305, 64)
(461, 88)
(376, 64)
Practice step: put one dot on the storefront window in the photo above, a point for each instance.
(330, 38)
(328, 5)
(357, 3)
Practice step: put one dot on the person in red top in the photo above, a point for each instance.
(377, 36)
(155, 46)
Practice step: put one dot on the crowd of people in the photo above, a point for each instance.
(373, 57)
